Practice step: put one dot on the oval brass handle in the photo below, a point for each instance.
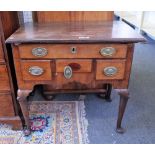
(68, 72)
(36, 70)
(110, 71)
(73, 50)
(39, 52)
(108, 51)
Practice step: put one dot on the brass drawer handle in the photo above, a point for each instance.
(108, 51)
(39, 52)
(68, 72)
(73, 50)
(110, 71)
(36, 70)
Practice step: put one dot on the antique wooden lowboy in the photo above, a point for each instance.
(74, 56)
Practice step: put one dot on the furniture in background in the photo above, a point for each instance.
(74, 55)
(9, 110)
(72, 16)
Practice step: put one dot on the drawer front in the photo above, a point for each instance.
(4, 78)
(6, 105)
(46, 51)
(76, 65)
(76, 72)
(1, 50)
(36, 70)
(110, 69)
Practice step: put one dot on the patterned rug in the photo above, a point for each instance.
(54, 122)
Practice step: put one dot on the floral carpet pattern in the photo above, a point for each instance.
(52, 122)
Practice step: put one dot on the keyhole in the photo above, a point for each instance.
(73, 49)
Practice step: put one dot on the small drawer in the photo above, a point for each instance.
(4, 78)
(75, 74)
(110, 69)
(6, 105)
(76, 65)
(36, 70)
(46, 51)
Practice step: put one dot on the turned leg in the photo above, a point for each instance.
(124, 96)
(47, 97)
(107, 94)
(108, 88)
(22, 99)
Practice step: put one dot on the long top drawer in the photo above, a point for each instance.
(47, 51)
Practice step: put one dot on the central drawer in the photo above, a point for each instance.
(76, 65)
(48, 51)
(74, 74)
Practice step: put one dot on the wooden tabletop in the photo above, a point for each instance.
(76, 32)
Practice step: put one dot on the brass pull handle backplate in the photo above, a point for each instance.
(110, 71)
(68, 72)
(39, 52)
(36, 70)
(108, 51)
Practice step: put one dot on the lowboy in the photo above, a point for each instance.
(74, 56)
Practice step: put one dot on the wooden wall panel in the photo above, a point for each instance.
(56, 16)
(9, 109)
(9, 22)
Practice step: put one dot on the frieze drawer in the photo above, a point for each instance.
(46, 51)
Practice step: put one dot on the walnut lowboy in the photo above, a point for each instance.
(62, 64)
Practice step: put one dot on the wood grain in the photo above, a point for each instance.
(9, 22)
(64, 50)
(77, 81)
(85, 65)
(74, 16)
(76, 32)
(6, 105)
(4, 79)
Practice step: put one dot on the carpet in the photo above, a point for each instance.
(52, 122)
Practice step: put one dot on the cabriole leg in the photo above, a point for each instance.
(22, 98)
(124, 96)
